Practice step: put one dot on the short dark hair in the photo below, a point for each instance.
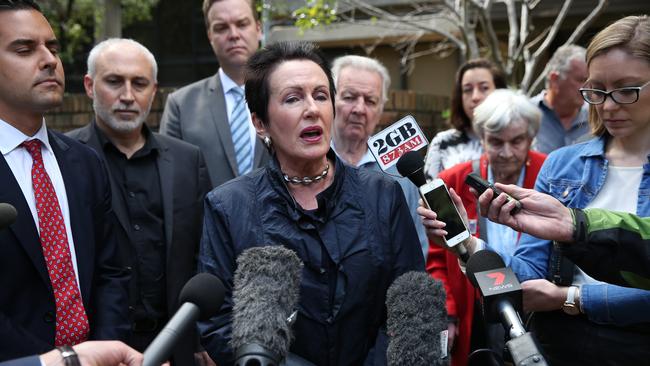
(207, 4)
(262, 64)
(458, 118)
(19, 5)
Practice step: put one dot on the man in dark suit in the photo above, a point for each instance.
(61, 282)
(158, 185)
(211, 113)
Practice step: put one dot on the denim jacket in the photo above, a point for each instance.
(574, 175)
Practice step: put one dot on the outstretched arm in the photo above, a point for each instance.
(541, 215)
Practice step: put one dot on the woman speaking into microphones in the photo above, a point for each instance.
(351, 228)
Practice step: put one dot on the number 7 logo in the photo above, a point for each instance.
(498, 277)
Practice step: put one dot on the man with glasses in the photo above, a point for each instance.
(564, 113)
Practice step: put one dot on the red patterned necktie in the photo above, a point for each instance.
(71, 319)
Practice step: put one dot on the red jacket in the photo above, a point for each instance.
(443, 265)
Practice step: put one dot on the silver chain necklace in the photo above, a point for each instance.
(307, 180)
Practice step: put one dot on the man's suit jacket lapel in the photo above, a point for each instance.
(219, 112)
(165, 162)
(88, 136)
(71, 170)
(24, 228)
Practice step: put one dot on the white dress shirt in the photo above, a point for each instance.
(20, 163)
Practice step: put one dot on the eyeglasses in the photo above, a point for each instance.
(627, 95)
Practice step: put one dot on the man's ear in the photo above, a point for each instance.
(260, 36)
(88, 86)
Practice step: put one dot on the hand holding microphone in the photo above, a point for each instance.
(480, 185)
(541, 215)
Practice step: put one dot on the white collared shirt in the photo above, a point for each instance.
(20, 163)
(227, 84)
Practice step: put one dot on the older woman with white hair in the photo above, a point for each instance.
(506, 123)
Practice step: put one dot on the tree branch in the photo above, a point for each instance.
(493, 40)
(513, 35)
(457, 21)
(577, 33)
(470, 33)
(531, 62)
(582, 27)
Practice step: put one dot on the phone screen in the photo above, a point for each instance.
(440, 202)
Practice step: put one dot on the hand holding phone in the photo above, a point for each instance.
(436, 197)
(481, 185)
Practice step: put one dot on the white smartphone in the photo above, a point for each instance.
(436, 197)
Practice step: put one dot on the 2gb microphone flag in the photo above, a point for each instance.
(395, 140)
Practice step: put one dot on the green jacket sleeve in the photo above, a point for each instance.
(612, 246)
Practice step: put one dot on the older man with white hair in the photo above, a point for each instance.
(158, 184)
(361, 92)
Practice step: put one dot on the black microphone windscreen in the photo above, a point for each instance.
(416, 314)
(265, 294)
(411, 166)
(483, 260)
(206, 292)
(8, 215)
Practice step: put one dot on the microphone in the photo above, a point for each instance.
(416, 321)
(201, 298)
(502, 302)
(265, 296)
(411, 166)
(8, 215)
(500, 289)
